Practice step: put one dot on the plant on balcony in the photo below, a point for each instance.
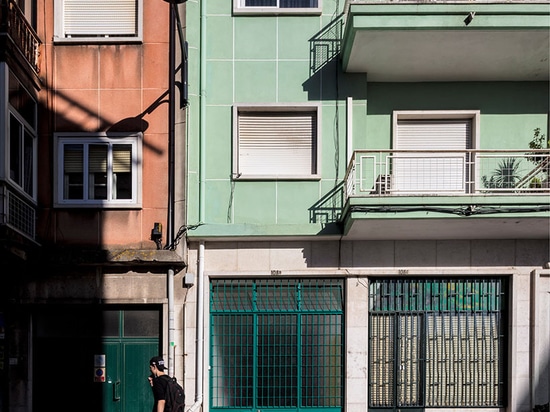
(505, 176)
(542, 162)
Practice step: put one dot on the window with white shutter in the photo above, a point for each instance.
(98, 20)
(432, 150)
(97, 171)
(276, 142)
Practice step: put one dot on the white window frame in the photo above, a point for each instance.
(240, 172)
(6, 111)
(102, 29)
(133, 139)
(239, 8)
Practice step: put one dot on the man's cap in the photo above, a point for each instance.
(158, 362)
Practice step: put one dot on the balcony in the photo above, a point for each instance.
(18, 40)
(448, 194)
(419, 41)
(17, 222)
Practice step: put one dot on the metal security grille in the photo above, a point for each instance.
(276, 344)
(437, 343)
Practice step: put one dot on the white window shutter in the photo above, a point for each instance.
(277, 143)
(434, 134)
(100, 17)
(431, 172)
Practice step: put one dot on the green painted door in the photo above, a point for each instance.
(126, 388)
(67, 343)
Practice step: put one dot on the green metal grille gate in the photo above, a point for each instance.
(436, 343)
(276, 344)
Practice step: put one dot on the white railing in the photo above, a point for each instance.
(410, 173)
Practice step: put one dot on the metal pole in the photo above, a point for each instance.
(171, 125)
(171, 195)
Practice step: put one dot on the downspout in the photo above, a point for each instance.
(349, 130)
(199, 349)
(171, 323)
(199, 367)
(202, 111)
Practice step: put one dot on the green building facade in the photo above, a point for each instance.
(378, 172)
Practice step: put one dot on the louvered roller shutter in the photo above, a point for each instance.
(100, 18)
(73, 159)
(431, 172)
(122, 158)
(97, 159)
(277, 143)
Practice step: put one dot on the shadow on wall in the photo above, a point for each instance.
(326, 80)
(328, 209)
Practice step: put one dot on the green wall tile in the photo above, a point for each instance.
(255, 202)
(219, 142)
(219, 77)
(219, 42)
(291, 78)
(255, 81)
(295, 36)
(295, 201)
(255, 38)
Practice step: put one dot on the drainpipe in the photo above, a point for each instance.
(202, 112)
(199, 367)
(171, 323)
(199, 350)
(349, 130)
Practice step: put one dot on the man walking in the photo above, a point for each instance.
(160, 386)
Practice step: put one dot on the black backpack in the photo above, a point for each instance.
(175, 397)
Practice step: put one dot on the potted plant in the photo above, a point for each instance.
(541, 160)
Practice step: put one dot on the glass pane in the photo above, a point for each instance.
(141, 323)
(122, 171)
(260, 3)
(73, 172)
(28, 166)
(15, 150)
(322, 295)
(122, 158)
(322, 369)
(122, 185)
(277, 361)
(97, 171)
(22, 101)
(97, 158)
(232, 360)
(298, 3)
(230, 295)
(280, 295)
(111, 323)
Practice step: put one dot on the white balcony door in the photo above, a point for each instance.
(438, 163)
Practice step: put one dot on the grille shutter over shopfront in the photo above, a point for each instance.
(277, 344)
(437, 343)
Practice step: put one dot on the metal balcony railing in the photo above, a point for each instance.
(447, 173)
(19, 32)
(17, 212)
